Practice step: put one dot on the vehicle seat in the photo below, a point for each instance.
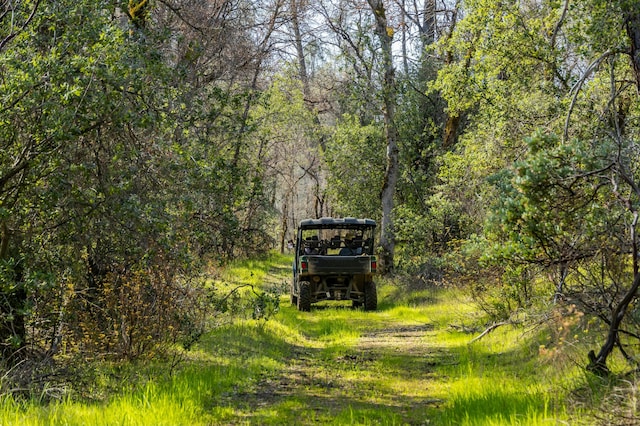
(335, 242)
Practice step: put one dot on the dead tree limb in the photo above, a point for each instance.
(490, 329)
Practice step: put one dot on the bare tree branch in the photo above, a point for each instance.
(578, 86)
(13, 34)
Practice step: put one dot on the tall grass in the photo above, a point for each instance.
(312, 368)
(500, 379)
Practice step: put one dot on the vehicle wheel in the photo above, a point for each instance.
(370, 296)
(304, 298)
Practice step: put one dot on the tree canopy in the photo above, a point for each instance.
(142, 141)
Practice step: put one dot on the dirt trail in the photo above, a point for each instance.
(405, 339)
(385, 376)
(388, 370)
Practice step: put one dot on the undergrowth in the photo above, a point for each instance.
(410, 362)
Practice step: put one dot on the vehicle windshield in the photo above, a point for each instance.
(352, 241)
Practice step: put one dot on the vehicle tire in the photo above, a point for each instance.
(370, 296)
(304, 298)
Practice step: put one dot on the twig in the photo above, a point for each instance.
(578, 86)
(490, 329)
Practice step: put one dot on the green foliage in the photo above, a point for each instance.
(426, 235)
(289, 139)
(355, 161)
(563, 211)
(118, 181)
(420, 121)
(505, 75)
(554, 205)
(502, 49)
(554, 215)
(595, 26)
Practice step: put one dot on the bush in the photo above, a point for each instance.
(144, 311)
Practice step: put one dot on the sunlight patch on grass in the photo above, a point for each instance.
(493, 401)
(405, 313)
(498, 380)
(148, 408)
(253, 272)
(326, 324)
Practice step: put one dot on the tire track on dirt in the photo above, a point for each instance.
(355, 378)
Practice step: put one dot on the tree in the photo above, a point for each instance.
(44, 106)
(124, 165)
(355, 164)
(385, 35)
(14, 20)
(569, 204)
(296, 7)
(363, 89)
(289, 153)
(427, 221)
(625, 174)
(505, 74)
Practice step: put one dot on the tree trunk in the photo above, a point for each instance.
(387, 237)
(632, 24)
(13, 301)
(598, 363)
(453, 118)
(428, 33)
(302, 64)
(451, 130)
(404, 26)
(285, 224)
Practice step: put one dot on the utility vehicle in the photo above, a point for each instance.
(334, 260)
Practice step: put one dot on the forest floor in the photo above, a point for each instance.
(413, 361)
(409, 363)
(357, 380)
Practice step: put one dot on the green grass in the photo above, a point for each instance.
(410, 362)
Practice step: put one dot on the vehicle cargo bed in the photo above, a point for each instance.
(339, 264)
